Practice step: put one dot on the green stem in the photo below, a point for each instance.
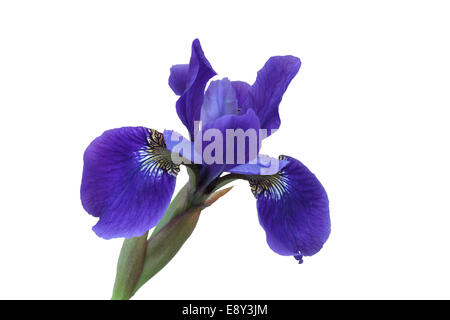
(164, 245)
(129, 267)
(140, 259)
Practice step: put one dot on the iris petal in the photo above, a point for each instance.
(230, 156)
(190, 102)
(244, 148)
(220, 99)
(178, 78)
(241, 88)
(293, 210)
(263, 165)
(181, 147)
(266, 93)
(195, 152)
(128, 181)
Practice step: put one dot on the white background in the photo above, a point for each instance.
(368, 113)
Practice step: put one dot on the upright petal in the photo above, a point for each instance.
(178, 78)
(227, 156)
(220, 99)
(241, 88)
(235, 148)
(190, 102)
(240, 138)
(293, 210)
(128, 181)
(271, 82)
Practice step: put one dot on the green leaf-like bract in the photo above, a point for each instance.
(140, 259)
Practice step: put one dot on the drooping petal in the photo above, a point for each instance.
(190, 102)
(220, 99)
(178, 78)
(293, 210)
(266, 93)
(128, 181)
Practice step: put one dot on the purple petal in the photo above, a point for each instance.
(185, 148)
(179, 145)
(241, 88)
(178, 78)
(293, 210)
(264, 165)
(199, 72)
(247, 123)
(271, 82)
(195, 151)
(127, 182)
(220, 99)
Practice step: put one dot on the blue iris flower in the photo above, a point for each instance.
(129, 173)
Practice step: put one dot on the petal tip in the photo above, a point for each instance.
(293, 209)
(299, 258)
